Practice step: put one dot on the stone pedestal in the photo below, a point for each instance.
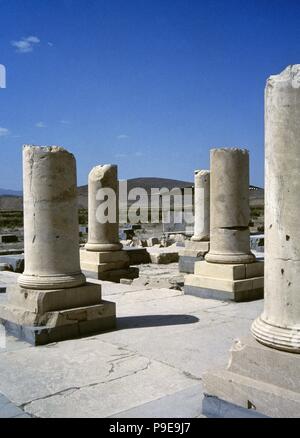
(103, 257)
(194, 251)
(198, 247)
(107, 265)
(52, 301)
(237, 282)
(229, 270)
(259, 381)
(263, 372)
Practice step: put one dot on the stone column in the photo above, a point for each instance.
(53, 301)
(103, 236)
(103, 257)
(51, 238)
(279, 325)
(229, 214)
(202, 205)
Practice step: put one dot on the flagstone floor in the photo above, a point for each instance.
(151, 366)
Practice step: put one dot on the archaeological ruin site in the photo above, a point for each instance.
(125, 296)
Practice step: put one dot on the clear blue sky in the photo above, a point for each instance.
(149, 85)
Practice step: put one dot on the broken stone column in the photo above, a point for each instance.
(103, 257)
(104, 235)
(230, 213)
(198, 246)
(50, 219)
(229, 270)
(53, 301)
(202, 206)
(279, 324)
(261, 380)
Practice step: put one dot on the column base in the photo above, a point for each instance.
(195, 238)
(101, 247)
(237, 282)
(286, 339)
(107, 266)
(42, 317)
(259, 381)
(193, 252)
(49, 282)
(230, 258)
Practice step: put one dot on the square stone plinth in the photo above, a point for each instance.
(259, 381)
(44, 316)
(192, 253)
(239, 282)
(107, 266)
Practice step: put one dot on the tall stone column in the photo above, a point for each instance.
(202, 206)
(279, 324)
(230, 214)
(52, 300)
(229, 270)
(103, 236)
(103, 257)
(50, 219)
(198, 246)
(260, 380)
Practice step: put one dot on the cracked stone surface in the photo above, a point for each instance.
(151, 366)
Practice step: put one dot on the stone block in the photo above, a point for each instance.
(187, 263)
(226, 281)
(217, 294)
(103, 267)
(164, 258)
(220, 271)
(42, 301)
(103, 257)
(138, 256)
(127, 281)
(8, 238)
(219, 283)
(255, 269)
(223, 289)
(201, 247)
(113, 275)
(258, 379)
(40, 317)
(153, 241)
(107, 265)
(15, 261)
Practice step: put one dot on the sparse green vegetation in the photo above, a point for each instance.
(11, 219)
(83, 216)
(256, 212)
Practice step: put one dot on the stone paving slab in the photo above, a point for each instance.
(9, 410)
(182, 404)
(152, 365)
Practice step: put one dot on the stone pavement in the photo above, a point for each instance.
(9, 410)
(151, 366)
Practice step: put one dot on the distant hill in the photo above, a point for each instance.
(11, 203)
(7, 192)
(144, 183)
(15, 202)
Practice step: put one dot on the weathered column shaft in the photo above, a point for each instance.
(103, 234)
(229, 207)
(201, 205)
(51, 239)
(279, 325)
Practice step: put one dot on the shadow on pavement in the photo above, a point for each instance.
(154, 321)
